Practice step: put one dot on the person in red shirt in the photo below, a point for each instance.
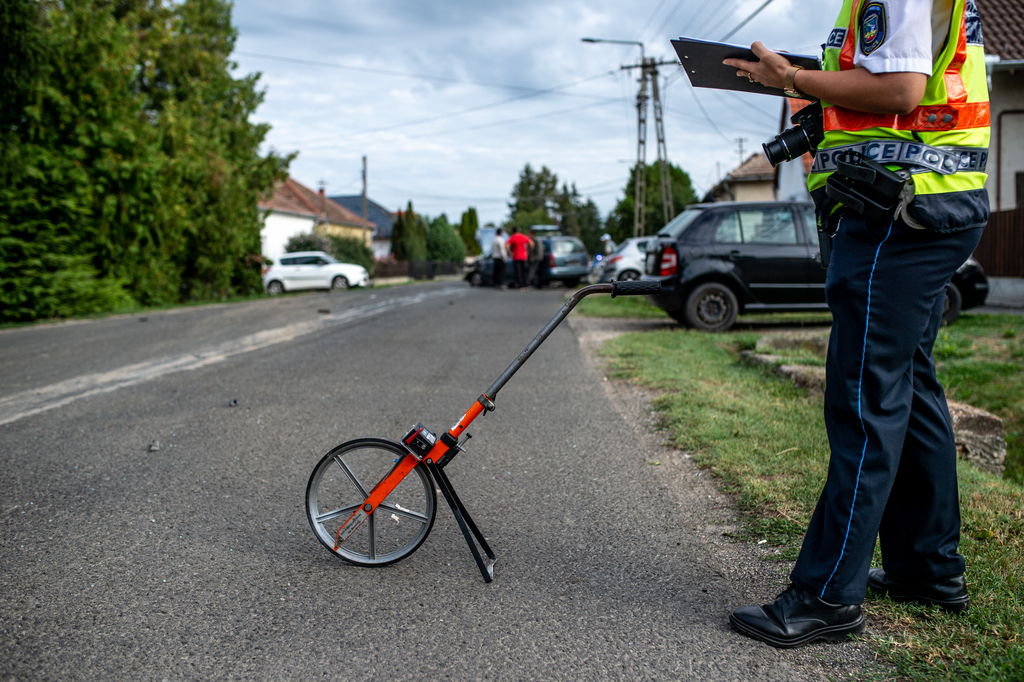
(519, 247)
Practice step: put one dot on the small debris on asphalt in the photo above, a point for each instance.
(324, 311)
(233, 402)
(143, 319)
(154, 446)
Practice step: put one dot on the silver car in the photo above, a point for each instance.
(312, 270)
(626, 262)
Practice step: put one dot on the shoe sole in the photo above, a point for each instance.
(831, 633)
(952, 605)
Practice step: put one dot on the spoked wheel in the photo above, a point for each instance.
(343, 480)
(339, 283)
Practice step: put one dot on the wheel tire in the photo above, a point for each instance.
(628, 276)
(476, 279)
(951, 307)
(711, 307)
(339, 283)
(333, 493)
(275, 288)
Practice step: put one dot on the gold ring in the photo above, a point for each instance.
(750, 77)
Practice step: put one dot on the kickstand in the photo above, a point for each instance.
(465, 522)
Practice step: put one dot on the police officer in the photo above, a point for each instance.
(909, 74)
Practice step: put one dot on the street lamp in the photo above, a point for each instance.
(620, 42)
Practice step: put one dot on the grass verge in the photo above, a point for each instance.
(766, 442)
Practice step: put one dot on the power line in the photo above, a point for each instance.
(744, 22)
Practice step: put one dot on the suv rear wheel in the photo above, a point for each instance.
(711, 307)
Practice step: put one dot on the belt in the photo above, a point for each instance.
(919, 157)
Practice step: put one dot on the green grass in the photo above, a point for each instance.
(765, 440)
(980, 361)
(622, 306)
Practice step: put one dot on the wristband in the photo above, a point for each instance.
(790, 88)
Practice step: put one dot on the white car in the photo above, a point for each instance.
(626, 262)
(312, 270)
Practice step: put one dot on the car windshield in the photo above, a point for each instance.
(679, 223)
(330, 259)
(563, 246)
(621, 247)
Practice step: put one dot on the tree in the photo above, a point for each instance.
(409, 236)
(534, 197)
(129, 170)
(443, 243)
(620, 221)
(467, 231)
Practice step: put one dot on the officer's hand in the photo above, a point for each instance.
(769, 71)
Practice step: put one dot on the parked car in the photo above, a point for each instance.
(312, 270)
(716, 261)
(565, 260)
(625, 263)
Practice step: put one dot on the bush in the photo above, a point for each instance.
(443, 242)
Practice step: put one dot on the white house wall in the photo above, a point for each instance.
(792, 181)
(278, 228)
(1005, 162)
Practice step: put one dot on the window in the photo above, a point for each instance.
(288, 261)
(307, 260)
(641, 247)
(676, 226)
(757, 226)
(728, 231)
(564, 246)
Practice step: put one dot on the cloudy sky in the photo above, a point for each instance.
(449, 99)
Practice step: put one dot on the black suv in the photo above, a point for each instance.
(716, 261)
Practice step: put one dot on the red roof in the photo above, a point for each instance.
(1002, 25)
(754, 168)
(291, 196)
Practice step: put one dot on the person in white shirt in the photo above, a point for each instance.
(499, 255)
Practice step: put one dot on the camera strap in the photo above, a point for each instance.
(918, 157)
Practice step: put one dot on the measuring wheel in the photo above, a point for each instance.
(343, 480)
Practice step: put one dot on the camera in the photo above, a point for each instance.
(807, 133)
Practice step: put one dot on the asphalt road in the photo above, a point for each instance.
(195, 560)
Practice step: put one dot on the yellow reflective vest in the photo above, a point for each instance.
(953, 114)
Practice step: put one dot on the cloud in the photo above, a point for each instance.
(455, 130)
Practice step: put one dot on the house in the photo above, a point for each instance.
(754, 180)
(292, 208)
(378, 215)
(1003, 27)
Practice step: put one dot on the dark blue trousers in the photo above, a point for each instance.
(892, 471)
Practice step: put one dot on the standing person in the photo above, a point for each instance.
(519, 246)
(535, 258)
(499, 255)
(907, 73)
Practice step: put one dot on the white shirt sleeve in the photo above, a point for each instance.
(901, 39)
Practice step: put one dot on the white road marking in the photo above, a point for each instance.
(34, 401)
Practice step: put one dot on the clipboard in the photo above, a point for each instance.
(702, 62)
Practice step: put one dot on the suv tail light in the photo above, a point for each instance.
(669, 261)
(551, 260)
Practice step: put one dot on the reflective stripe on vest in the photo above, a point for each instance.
(954, 112)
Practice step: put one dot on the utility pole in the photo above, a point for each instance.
(648, 71)
(366, 226)
(740, 141)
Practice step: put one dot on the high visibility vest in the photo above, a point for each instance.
(954, 112)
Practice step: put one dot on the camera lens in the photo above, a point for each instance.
(787, 145)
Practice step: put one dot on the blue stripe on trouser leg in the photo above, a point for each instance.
(880, 395)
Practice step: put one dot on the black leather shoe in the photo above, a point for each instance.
(948, 593)
(797, 618)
